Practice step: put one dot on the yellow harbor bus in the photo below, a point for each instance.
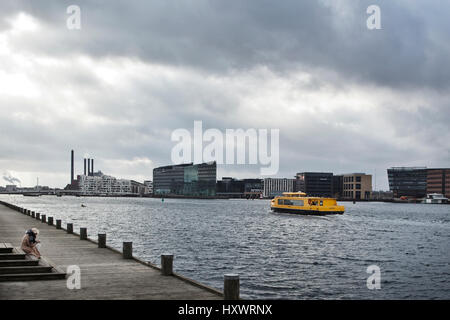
(299, 203)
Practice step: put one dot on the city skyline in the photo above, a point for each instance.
(346, 99)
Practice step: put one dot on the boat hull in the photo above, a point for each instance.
(305, 212)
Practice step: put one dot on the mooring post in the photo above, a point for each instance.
(38, 216)
(102, 240)
(50, 221)
(33, 215)
(28, 212)
(70, 228)
(83, 233)
(127, 250)
(231, 286)
(58, 223)
(167, 264)
(43, 218)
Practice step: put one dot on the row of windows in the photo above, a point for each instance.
(352, 179)
(299, 203)
(352, 186)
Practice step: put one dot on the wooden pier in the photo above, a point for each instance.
(106, 273)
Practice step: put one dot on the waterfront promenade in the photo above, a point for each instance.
(105, 274)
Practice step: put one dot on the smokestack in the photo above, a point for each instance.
(92, 167)
(71, 168)
(89, 166)
(84, 166)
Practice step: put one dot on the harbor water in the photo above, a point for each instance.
(278, 256)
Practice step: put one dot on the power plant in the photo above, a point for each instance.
(88, 171)
(97, 184)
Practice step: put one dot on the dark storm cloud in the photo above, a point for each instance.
(219, 36)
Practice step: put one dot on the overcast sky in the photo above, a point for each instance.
(345, 98)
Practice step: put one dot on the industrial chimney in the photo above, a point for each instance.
(84, 166)
(89, 166)
(92, 167)
(71, 168)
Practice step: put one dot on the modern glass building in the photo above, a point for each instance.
(237, 188)
(192, 180)
(408, 181)
(316, 184)
(338, 186)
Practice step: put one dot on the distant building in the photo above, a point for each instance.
(417, 182)
(109, 186)
(382, 195)
(357, 186)
(11, 188)
(253, 188)
(276, 186)
(138, 188)
(338, 186)
(149, 185)
(237, 188)
(408, 181)
(230, 187)
(194, 180)
(317, 184)
(438, 181)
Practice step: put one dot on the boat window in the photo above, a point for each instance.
(321, 202)
(299, 203)
(280, 201)
(287, 202)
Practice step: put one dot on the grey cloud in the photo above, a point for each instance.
(219, 36)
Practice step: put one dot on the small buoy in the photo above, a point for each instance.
(83, 205)
(162, 199)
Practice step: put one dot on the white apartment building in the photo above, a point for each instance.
(108, 185)
(149, 185)
(276, 186)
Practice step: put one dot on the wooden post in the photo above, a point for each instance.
(102, 240)
(231, 286)
(50, 221)
(128, 250)
(28, 212)
(167, 264)
(58, 223)
(43, 218)
(70, 228)
(83, 233)
(33, 215)
(38, 216)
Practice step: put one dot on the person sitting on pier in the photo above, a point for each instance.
(30, 244)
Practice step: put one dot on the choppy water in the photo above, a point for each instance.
(276, 255)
